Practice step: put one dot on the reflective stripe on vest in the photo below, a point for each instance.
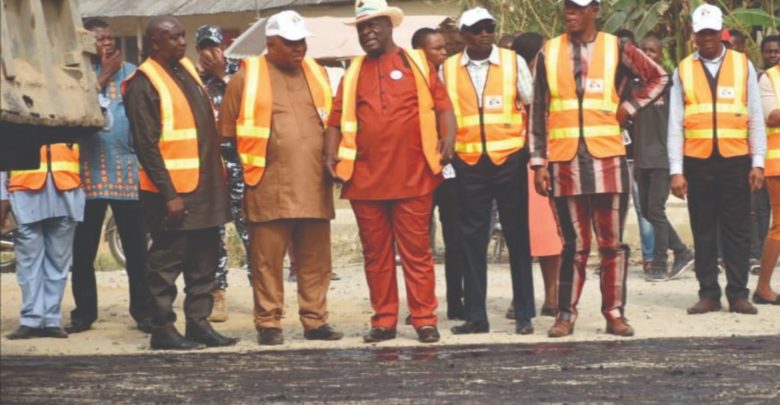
(772, 164)
(178, 141)
(729, 105)
(599, 127)
(500, 118)
(347, 151)
(64, 166)
(253, 127)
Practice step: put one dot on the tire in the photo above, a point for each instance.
(7, 256)
(114, 243)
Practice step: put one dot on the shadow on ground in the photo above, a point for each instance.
(720, 370)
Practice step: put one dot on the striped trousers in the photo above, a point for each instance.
(606, 215)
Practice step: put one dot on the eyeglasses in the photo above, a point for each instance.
(478, 29)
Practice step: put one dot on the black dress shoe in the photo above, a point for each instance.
(172, 340)
(757, 299)
(270, 336)
(471, 327)
(145, 326)
(524, 327)
(24, 332)
(379, 335)
(54, 332)
(324, 332)
(548, 311)
(510, 312)
(210, 338)
(428, 334)
(77, 326)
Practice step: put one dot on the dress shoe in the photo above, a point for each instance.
(428, 334)
(219, 312)
(379, 335)
(270, 337)
(471, 327)
(210, 338)
(24, 332)
(144, 326)
(561, 328)
(77, 326)
(548, 311)
(54, 332)
(171, 339)
(524, 327)
(619, 327)
(757, 299)
(705, 305)
(324, 332)
(742, 306)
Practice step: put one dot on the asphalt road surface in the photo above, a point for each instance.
(725, 370)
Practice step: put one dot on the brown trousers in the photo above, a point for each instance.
(310, 239)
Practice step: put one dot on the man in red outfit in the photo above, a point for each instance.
(390, 130)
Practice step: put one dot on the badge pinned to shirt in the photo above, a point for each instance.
(396, 75)
(595, 85)
(726, 92)
(494, 102)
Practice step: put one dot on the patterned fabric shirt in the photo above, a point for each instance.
(216, 86)
(586, 174)
(109, 168)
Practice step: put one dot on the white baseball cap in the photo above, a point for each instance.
(473, 16)
(707, 17)
(286, 24)
(583, 3)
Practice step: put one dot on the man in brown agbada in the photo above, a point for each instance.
(275, 107)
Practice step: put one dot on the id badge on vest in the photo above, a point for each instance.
(726, 93)
(594, 86)
(494, 102)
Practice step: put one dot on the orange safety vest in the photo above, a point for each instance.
(178, 141)
(728, 109)
(253, 127)
(599, 125)
(499, 118)
(427, 114)
(59, 159)
(772, 164)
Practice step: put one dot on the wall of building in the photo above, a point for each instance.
(130, 29)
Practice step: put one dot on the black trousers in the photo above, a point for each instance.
(653, 187)
(127, 215)
(478, 185)
(194, 253)
(446, 198)
(719, 196)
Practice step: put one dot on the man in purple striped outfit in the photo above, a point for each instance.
(588, 190)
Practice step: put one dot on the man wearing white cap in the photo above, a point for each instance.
(576, 121)
(391, 129)
(490, 88)
(276, 106)
(717, 142)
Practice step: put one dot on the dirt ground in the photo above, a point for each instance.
(656, 310)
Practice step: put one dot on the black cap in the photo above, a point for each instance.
(210, 33)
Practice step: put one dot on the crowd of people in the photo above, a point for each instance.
(554, 134)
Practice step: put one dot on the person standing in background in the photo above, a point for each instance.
(215, 72)
(47, 203)
(109, 175)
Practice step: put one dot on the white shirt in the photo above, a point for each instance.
(756, 128)
(478, 70)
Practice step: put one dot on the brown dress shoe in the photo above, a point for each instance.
(742, 306)
(705, 305)
(619, 327)
(561, 328)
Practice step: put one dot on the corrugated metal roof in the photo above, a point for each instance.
(148, 8)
